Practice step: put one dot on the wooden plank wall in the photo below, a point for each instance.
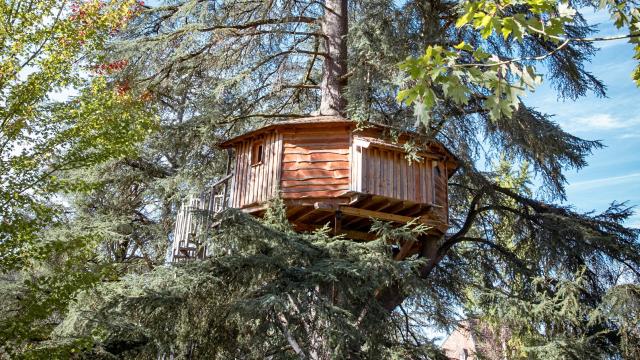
(315, 163)
(323, 162)
(441, 177)
(254, 184)
(387, 172)
(440, 183)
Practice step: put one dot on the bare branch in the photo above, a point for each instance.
(284, 326)
(300, 86)
(565, 43)
(253, 24)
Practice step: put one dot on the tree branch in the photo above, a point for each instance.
(252, 24)
(471, 215)
(284, 326)
(503, 250)
(300, 86)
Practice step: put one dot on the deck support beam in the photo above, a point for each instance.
(405, 250)
(379, 215)
(363, 213)
(351, 234)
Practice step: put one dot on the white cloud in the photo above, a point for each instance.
(630, 136)
(612, 180)
(598, 122)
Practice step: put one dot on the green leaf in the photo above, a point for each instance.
(407, 96)
(464, 46)
(506, 30)
(428, 53)
(456, 91)
(422, 113)
(464, 19)
(493, 104)
(481, 55)
(436, 72)
(486, 20)
(429, 98)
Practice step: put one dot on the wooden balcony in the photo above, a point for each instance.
(194, 221)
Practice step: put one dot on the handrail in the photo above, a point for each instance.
(223, 180)
(191, 226)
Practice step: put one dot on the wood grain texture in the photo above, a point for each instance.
(316, 163)
(306, 174)
(256, 183)
(328, 163)
(321, 165)
(387, 172)
(315, 181)
(313, 194)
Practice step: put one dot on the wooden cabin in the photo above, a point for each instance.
(327, 170)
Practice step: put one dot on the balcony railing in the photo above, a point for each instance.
(195, 220)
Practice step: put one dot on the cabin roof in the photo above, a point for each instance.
(307, 122)
(323, 121)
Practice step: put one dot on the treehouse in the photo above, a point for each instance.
(327, 171)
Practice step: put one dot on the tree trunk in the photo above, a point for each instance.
(335, 28)
(392, 296)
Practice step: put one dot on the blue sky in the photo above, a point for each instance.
(613, 173)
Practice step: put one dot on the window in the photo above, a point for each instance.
(436, 169)
(257, 153)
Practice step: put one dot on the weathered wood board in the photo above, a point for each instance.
(330, 160)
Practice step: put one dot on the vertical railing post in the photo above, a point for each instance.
(191, 229)
(226, 183)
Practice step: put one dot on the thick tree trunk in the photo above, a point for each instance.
(335, 28)
(392, 296)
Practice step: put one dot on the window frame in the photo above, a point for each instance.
(257, 153)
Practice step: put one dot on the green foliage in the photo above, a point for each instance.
(557, 309)
(35, 299)
(214, 69)
(460, 72)
(56, 115)
(458, 85)
(42, 138)
(390, 233)
(561, 320)
(270, 293)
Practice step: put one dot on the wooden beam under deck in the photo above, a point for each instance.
(379, 208)
(386, 205)
(351, 234)
(404, 250)
(364, 213)
(407, 248)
